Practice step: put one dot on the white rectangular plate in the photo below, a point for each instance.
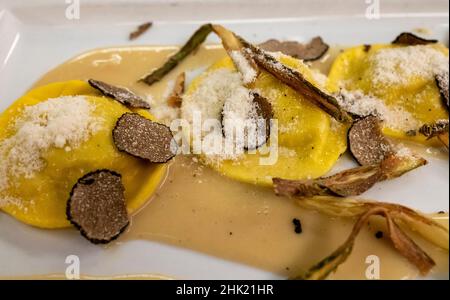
(34, 37)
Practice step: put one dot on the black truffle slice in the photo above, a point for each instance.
(122, 95)
(144, 138)
(367, 143)
(409, 39)
(264, 112)
(313, 50)
(97, 206)
(140, 30)
(442, 83)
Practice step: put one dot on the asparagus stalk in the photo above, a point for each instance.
(194, 41)
(295, 80)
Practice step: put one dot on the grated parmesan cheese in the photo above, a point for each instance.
(319, 77)
(209, 97)
(221, 90)
(287, 152)
(247, 72)
(159, 108)
(398, 65)
(358, 103)
(402, 151)
(7, 200)
(63, 122)
(276, 54)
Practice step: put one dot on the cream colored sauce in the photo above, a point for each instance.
(197, 208)
(124, 66)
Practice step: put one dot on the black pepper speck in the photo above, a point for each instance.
(297, 226)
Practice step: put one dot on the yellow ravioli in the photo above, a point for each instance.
(309, 141)
(353, 70)
(42, 198)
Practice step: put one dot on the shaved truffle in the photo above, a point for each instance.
(367, 47)
(97, 206)
(144, 138)
(367, 143)
(122, 95)
(264, 111)
(442, 83)
(140, 30)
(313, 50)
(409, 39)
